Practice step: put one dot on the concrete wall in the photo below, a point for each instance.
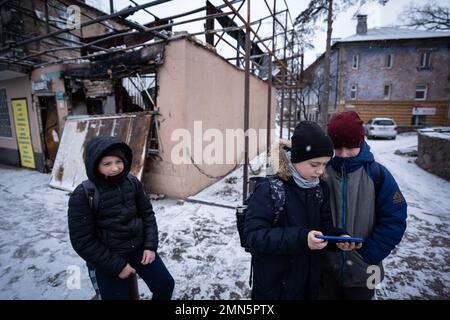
(195, 84)
(434, 155)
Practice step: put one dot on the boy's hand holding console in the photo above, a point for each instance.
(317, 241)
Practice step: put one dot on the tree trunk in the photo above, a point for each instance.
(326, 69)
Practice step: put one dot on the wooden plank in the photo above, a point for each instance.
(400, 111)
(69, 168)
(139, 141)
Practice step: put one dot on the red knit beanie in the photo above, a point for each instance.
(346, 130)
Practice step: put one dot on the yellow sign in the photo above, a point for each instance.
(23, 135)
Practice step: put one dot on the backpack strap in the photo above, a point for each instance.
(132, 180)
(92, 194)
(278, 194)
(377, 176)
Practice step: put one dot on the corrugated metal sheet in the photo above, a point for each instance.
(68, 170)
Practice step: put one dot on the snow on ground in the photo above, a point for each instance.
(419, 267)
(199, 242)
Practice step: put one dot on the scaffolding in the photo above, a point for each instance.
(254, 54)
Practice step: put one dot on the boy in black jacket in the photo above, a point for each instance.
(121, 238)
(285, 256)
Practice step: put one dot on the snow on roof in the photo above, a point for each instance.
(390, 33)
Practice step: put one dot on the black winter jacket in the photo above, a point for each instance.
(283, 265)
(125, 221)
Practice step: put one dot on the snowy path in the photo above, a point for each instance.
(419, 267)
(199, 243)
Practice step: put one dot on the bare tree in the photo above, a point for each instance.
(313, 90)
(430, 16)
(305, 23)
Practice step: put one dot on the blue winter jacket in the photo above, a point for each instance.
(377, 216)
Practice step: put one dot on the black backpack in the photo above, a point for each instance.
(278, 195)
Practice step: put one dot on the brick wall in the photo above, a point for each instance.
(372, 74)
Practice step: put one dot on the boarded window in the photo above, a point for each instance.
(5, 123)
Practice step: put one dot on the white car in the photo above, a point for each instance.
(381, 128)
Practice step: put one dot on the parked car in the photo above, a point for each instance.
(381, 128)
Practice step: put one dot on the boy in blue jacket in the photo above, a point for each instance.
(367, 202)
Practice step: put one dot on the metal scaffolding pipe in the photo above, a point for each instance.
(247, 24)
(246, 100)
(232, 19)
(283, 83)
(84, 15)
(137, 45)
(87, 23)
(130, 33)
(269, 90)
(290, 86)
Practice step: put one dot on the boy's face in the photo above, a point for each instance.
(111, 166)
(346, 152)
(313, 168)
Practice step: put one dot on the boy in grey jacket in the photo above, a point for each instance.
(367, 202)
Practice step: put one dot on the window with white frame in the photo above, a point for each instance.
(421, 92)
(425, 58)
(387, 91)
(354, 92)
(355, 61)
(389, 60)
(5, 123)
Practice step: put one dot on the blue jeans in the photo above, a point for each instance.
(155, 275)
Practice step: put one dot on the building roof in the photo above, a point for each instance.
(391, 33)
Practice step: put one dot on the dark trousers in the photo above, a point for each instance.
(155, 275)
(331, 289)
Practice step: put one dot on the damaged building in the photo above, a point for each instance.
(59, 88)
